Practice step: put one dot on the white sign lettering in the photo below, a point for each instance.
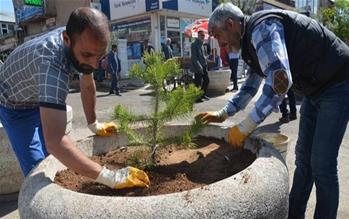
(198, 7)
(126, 8)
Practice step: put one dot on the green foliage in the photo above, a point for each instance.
(166, 106)
(194, 129)
(178, 102)
(246, 6)
(138, 160)
(337, 18)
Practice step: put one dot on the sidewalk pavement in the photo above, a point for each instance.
(137, 98)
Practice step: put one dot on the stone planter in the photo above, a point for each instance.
(259, 191)
(11, 176)
(219, 81)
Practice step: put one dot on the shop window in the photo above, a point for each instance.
(11, 28)
(4, 29)
(175, 42)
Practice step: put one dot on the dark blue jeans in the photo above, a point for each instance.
(322, 125)
(114, 84)
(23, 128)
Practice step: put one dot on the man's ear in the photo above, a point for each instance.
(229, 23)
(66, 39)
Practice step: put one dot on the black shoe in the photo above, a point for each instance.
(111, 92)
(118, 94)
(236, 88)
(284, 119)
(199, 100)
(293, 116)
(205, 97)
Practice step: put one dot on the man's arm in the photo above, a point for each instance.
(269, 41)
(88, 97)
(59, 145)
(247, 91)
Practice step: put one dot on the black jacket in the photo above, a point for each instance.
(317, 58)
(198, 59)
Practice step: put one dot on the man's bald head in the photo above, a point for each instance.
(88, 18)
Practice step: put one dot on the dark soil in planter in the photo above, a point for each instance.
(177, 169)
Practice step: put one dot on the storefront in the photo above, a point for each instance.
(134, 21)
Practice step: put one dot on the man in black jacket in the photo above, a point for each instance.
(114, 67)
(199, 65)
(290, 49)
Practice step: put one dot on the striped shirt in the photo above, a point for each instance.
(36, 74)
(269, 41)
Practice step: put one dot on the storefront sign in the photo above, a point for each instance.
(129, 24)
(152, 5)
(173, 23)
(198, 7)
(126, 8)
(25, 12)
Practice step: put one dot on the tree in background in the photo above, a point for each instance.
(336, 18)
(246, 6)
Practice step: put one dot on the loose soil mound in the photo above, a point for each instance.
(177, 169)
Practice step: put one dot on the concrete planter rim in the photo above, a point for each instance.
(247, 194)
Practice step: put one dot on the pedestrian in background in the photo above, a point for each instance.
(167, 49)
(114, 70)
(199, 65)
(288, 115)
(224, 56)
(146, 47)
(216, 59)
(233, 64)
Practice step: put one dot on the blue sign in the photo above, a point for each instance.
(151, 5)
(26, 12)
(170, 4)
(134, 50)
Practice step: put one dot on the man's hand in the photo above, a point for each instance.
(236, 138)
(127, 177)
(238, 134)
(103, 129)
(216, 116)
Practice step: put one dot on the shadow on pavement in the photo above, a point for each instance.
(8, 204)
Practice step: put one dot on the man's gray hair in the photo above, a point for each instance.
(222, 13)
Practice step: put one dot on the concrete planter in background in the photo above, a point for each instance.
(11, 176)
(219, 81)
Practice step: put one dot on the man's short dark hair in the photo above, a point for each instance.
(82, 18)
(114, 46)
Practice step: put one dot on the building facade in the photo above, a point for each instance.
(36, 20)
(134, 21)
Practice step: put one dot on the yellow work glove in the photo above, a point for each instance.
(103, 129)
(127, 177)
(238, 134)
(216, 116)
